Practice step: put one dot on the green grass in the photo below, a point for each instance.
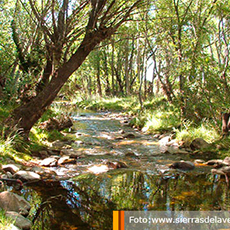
(115, 103)
(204, 130)
(157, 116)
(5, 223)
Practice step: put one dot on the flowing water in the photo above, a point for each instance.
(87, 192)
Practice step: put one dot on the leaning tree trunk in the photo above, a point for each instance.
(25, 116)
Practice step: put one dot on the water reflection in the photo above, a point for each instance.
(87, 201)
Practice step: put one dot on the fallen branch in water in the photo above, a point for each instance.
(12, 181)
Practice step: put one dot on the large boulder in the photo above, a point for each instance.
(12, 202)
(27, 176)
(59, 124)
(20, 221)
(12, 168)
(199, 143)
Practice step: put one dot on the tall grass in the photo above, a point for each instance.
(5, 223)
(107, 103)
(157, 116)
(190, 131)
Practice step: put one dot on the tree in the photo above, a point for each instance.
(66, 39)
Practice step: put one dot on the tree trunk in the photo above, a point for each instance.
(25, 116)
(99, 91)
(112, 66)
(127, 85)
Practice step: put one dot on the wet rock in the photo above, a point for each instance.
(7, 175)
(125, 122)
(157, 135)
(222, 171)
(175, 151)
(66, 160)
(182, 151)
(131, 154)
(174, 143)
(27, 176)
(183, 165)
(129, 135)
(53, 152)
(116, 165)
(49, 162)
(57, 123)
(226, 161)
(216, 162)
(78, 143)
(43, 154)
(199, 161)
(121, 131)
(44, 172)
(11, 168)
(71, 153)
(164, 140)
(20, 221)
(199, 143)
(96, 169)
(61, 144)
(12, 202)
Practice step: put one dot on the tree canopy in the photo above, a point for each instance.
(178, 48)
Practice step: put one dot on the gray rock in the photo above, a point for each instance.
(164, 141)
(199, 161)
(49, 162)
(129, 135)
(71, 153)
(175, 151)
(199, 143)
(66, 160)
(182, 151)
(183, 165)
(27, 176)
(58, 144)
(20, 221)
(43, 154)
(216, 162)
(173, 143)
(12, 202)
(11, 168)
(226, 161)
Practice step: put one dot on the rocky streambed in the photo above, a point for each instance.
(110, 166)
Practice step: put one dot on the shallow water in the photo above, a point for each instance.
(87, 198)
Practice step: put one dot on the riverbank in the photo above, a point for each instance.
(160, 117)
(106, 148)
(156, 117)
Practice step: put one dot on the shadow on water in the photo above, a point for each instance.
(86, 201)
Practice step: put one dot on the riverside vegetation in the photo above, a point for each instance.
(157, 116)
(169, 75)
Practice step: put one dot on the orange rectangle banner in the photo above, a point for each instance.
(118, 220)
(122, 220)
(115, 220)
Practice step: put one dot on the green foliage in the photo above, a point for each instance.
(5, 222)
(108, 103)
(190, 131)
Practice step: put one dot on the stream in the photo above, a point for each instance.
(86, 192)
